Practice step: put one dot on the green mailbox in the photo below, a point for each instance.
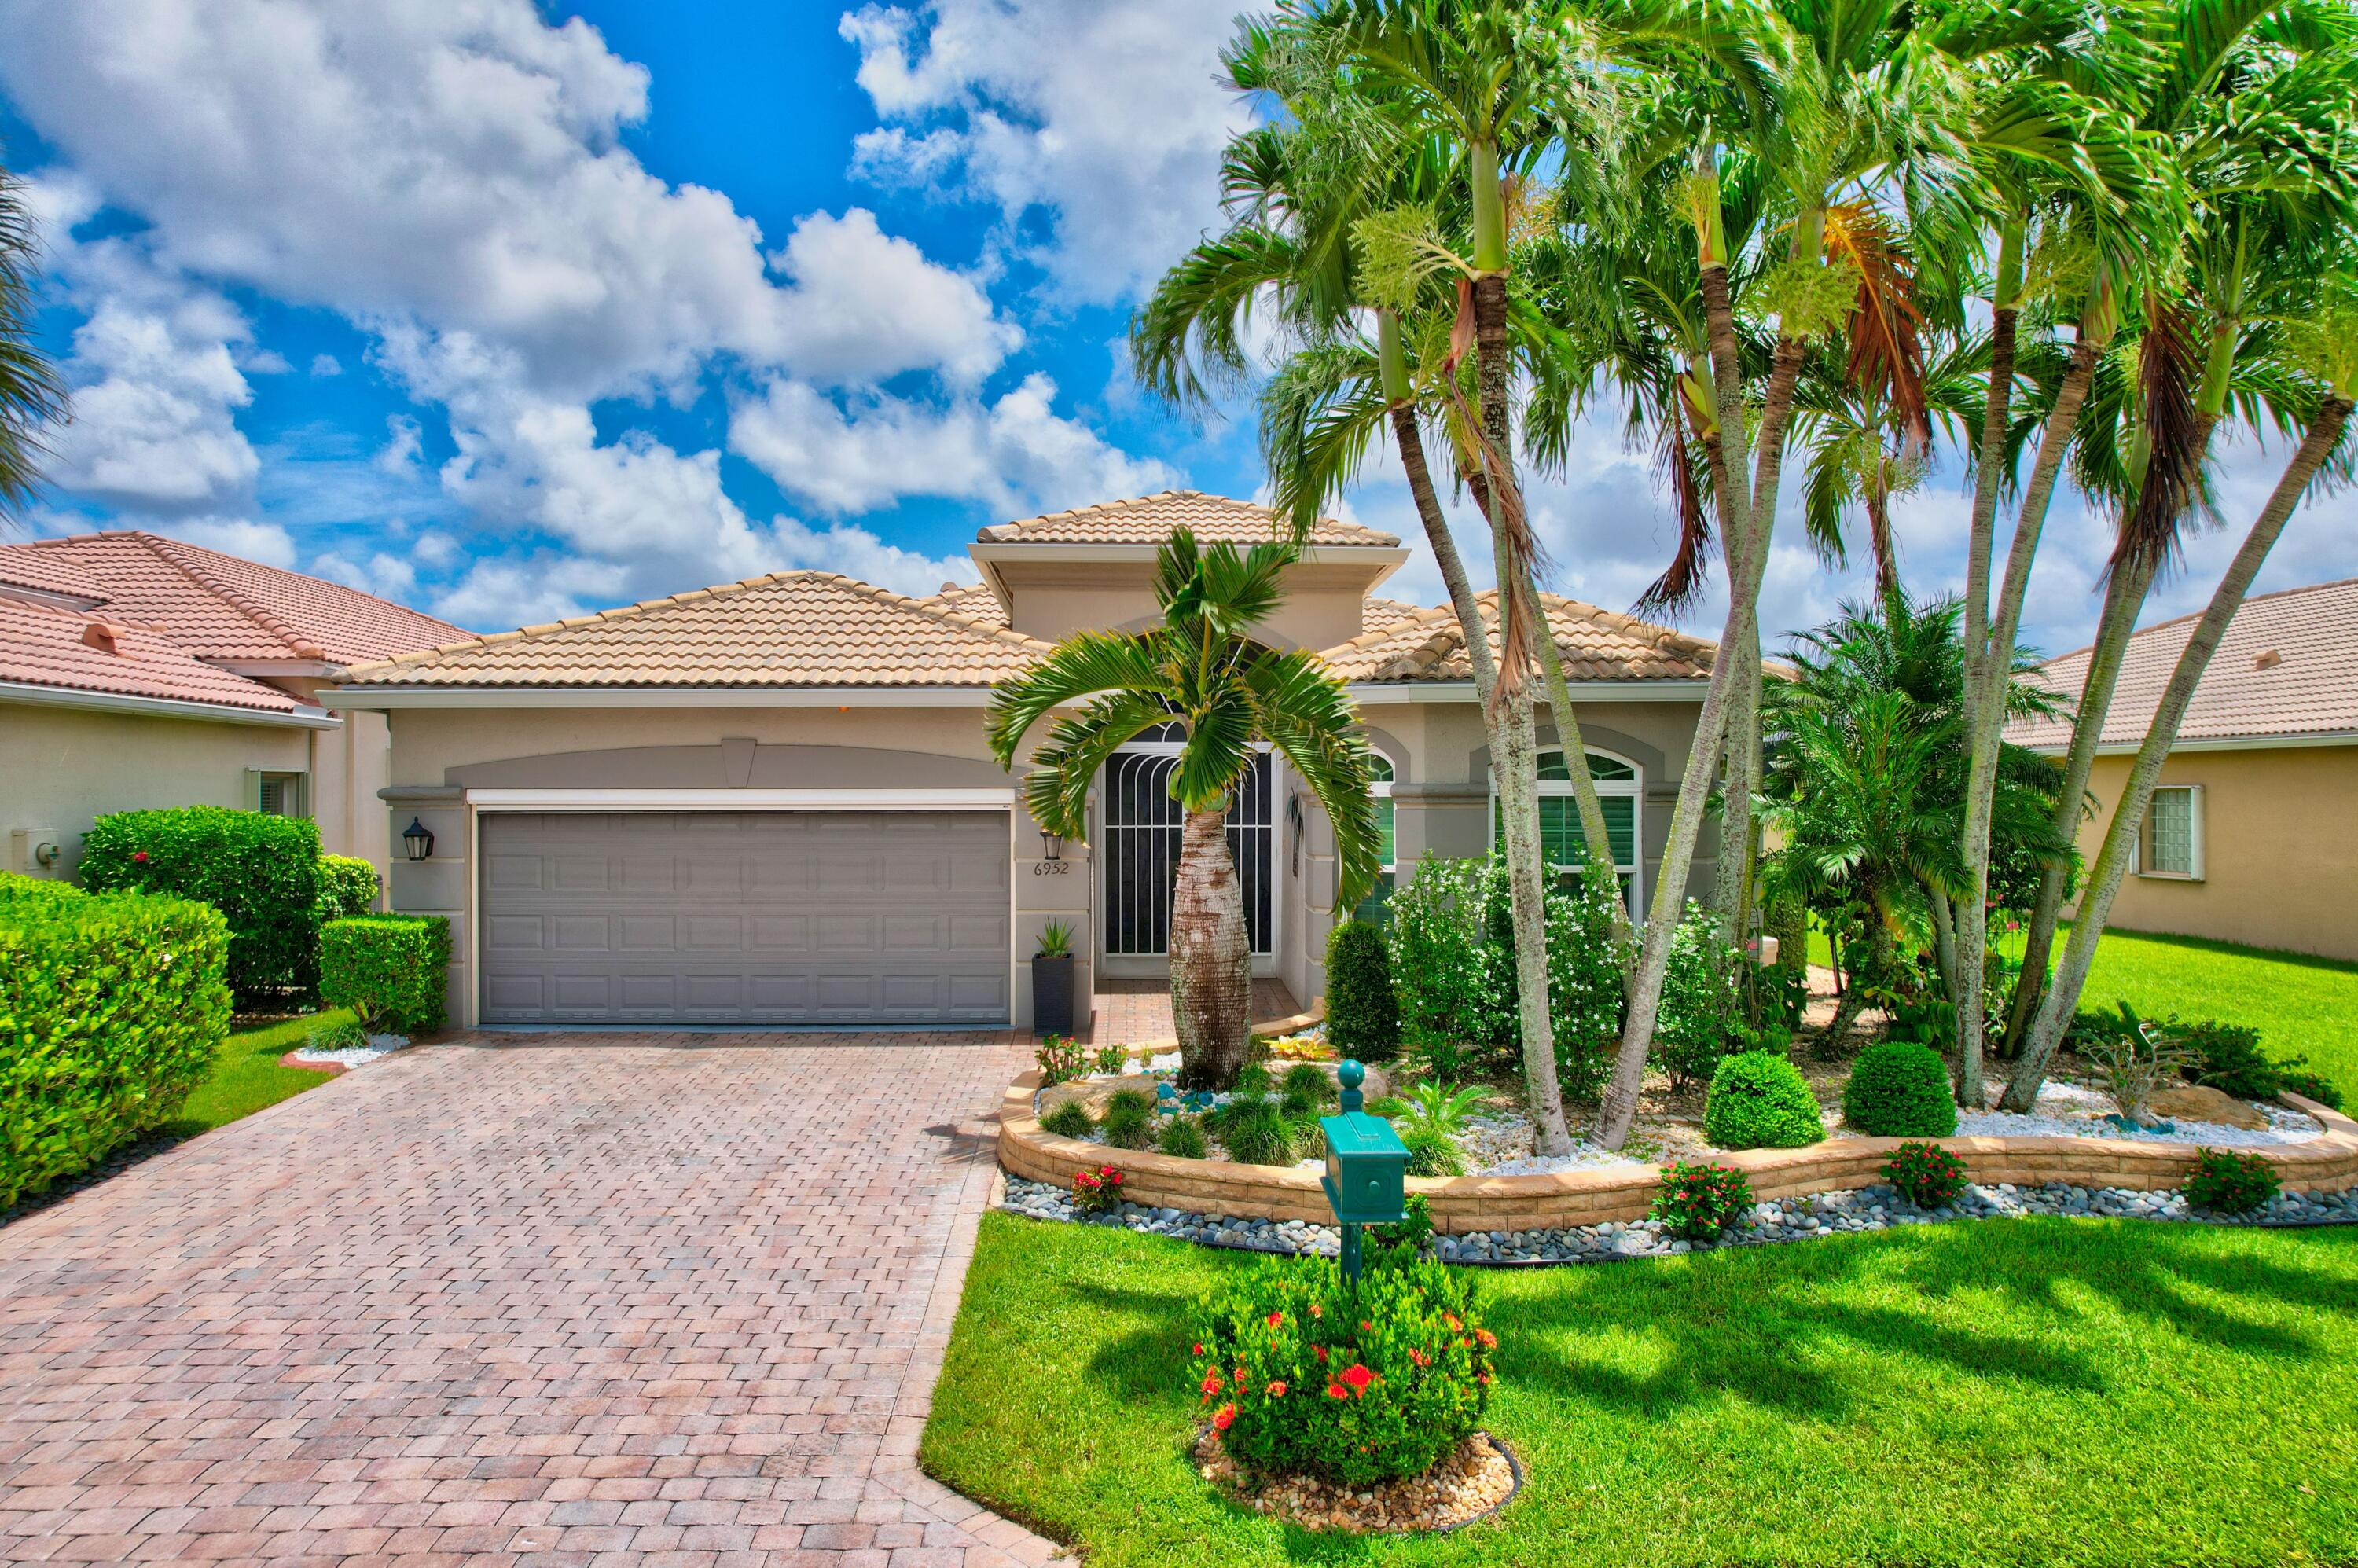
(1367, 1168)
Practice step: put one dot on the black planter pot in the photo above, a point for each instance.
(1052, 994)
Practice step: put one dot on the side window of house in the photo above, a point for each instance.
(2171, 843)
(1372, 906)
(276, 794)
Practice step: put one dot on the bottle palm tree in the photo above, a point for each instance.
(1203, 670)
(31, 393)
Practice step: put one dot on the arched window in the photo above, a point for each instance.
(1379, 771)
(1620, 786)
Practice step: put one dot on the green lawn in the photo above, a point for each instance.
(2041, 1392)
(2302, 1005)
(248, 1077)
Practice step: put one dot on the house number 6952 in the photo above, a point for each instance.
(1051, 868)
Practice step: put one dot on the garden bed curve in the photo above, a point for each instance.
(1462, 1204)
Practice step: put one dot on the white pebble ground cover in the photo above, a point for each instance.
(356, 1056)
(2072, 1110)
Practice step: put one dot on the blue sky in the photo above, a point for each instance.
(511, 312)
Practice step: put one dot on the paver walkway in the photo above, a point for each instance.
(646, 1300)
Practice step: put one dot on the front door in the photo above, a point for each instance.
(1140, 850)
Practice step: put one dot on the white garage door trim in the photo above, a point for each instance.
(478, 801)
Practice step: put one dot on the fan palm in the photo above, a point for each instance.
(1229, 695)
(31, 393)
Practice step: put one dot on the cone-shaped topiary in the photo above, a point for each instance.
(1362, 1013)
(1899, 1089)
(1758, 1100)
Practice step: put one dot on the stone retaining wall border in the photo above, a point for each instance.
(1461, 1204)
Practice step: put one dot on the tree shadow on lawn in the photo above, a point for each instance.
(1744, 1323)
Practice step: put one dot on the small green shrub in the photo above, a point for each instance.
(1069, 1119)
(1701, 1202)
(261, 872)
(1302, 1373)
(2225, 1182)
(347, 888)
(1432, 1152)
(335, 1031)
(1128, 1121)
(392, 970)
(1182, 1138)
(1297, 1105)
(113, 1008)
(2308, 1086)
(1700, 1009)
(1760, 1101)
(1362, 1014)
(1059, 1059)
(1899, 1089)
(1256, 1131)
(1412, 1238)
(1304, 1080)
(1926, 1174)
(1110, 1059)
(1097, 1191)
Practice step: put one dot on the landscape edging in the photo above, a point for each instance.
(1462, 1204)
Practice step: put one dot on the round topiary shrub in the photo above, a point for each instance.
(1759, 1100)
(1362, 1013)
(1899, 1089)
(1301, 1374)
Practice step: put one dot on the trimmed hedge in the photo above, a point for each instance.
(1899, 1089)
(1759, 1100)
(392, 970)
(261, 872)
(1362, 1014)
(112, 1009)
(347, 888)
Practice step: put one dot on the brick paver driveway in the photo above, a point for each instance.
(640, 1300)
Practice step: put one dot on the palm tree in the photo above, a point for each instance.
(1202, 670)
(31, 396)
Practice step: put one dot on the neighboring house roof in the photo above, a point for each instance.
(973, 600)
(2288, 667)
(218, 606)
(788, 629)
(71, 651)
(1596, 644)
(1149, 520)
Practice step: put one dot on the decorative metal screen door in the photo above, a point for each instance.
(1142, 848)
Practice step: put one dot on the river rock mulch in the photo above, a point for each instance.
(1788, 1219)
(1473, 1479)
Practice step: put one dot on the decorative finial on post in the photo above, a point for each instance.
(1350, 1075)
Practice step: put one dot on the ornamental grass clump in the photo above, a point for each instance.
(1128, 1121)
(2225, 1182)
(1899, 1089)
(1304, 1374)
(1759, 1100)
(1701, 1202)
(1069, 1119)
(1926, 1174)
(1256, 1130)
(1182, 1138)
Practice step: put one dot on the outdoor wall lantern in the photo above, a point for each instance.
(416, 842)
(1367, 1167)
(1051, 845)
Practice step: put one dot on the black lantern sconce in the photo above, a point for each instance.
(417, 842)
(1051, 845)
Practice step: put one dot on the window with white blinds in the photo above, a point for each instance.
(2171, 843)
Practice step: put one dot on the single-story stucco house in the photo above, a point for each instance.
(772, 803)
(2253, 833)
(139, 671)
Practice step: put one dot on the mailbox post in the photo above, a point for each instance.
(1367, 1168)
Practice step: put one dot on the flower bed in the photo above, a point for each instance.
(2327, 1163)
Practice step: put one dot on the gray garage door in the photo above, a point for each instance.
(778, 917)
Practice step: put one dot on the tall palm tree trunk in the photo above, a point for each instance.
(1515, 755)
(1211, 961)
(2062, 997)
(1989, 665)
(1594, 833)
(1409, 438)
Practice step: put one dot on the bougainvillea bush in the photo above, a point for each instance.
(1700, 1202)
(1302, 1374)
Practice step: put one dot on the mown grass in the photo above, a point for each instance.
(2041, 1392)
(2302, 1005)
(247, 1075)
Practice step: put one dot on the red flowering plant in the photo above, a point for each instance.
(1701, 1202)
(1302, 1374)
(1097, 1191)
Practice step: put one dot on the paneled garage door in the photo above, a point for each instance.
(775, 918)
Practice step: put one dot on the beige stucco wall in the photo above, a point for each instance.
(62, 768)
(2280, 849)
(1051, 599)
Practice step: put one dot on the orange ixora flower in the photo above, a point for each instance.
(1211, 1384)
(1317, 1311)
(1359, 1377)
(1319, 1351)
(1277, 1390)
(1489, 1340)
(1337, 1391)
(1225, 1418)
(1275, 1318)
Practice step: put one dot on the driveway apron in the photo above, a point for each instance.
(644, 1299)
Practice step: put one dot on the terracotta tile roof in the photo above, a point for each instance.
(1597, 644)
(788, 629)
(47, 571)
(2288, 667)
(71, 649)
(221, 606)
(1149, 520)
(973, 600)
(1382, 614)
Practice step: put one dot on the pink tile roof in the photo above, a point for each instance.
(1149, 520)
(219, 606)
(75, 649)
(2310, 686)
(1596, 644)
